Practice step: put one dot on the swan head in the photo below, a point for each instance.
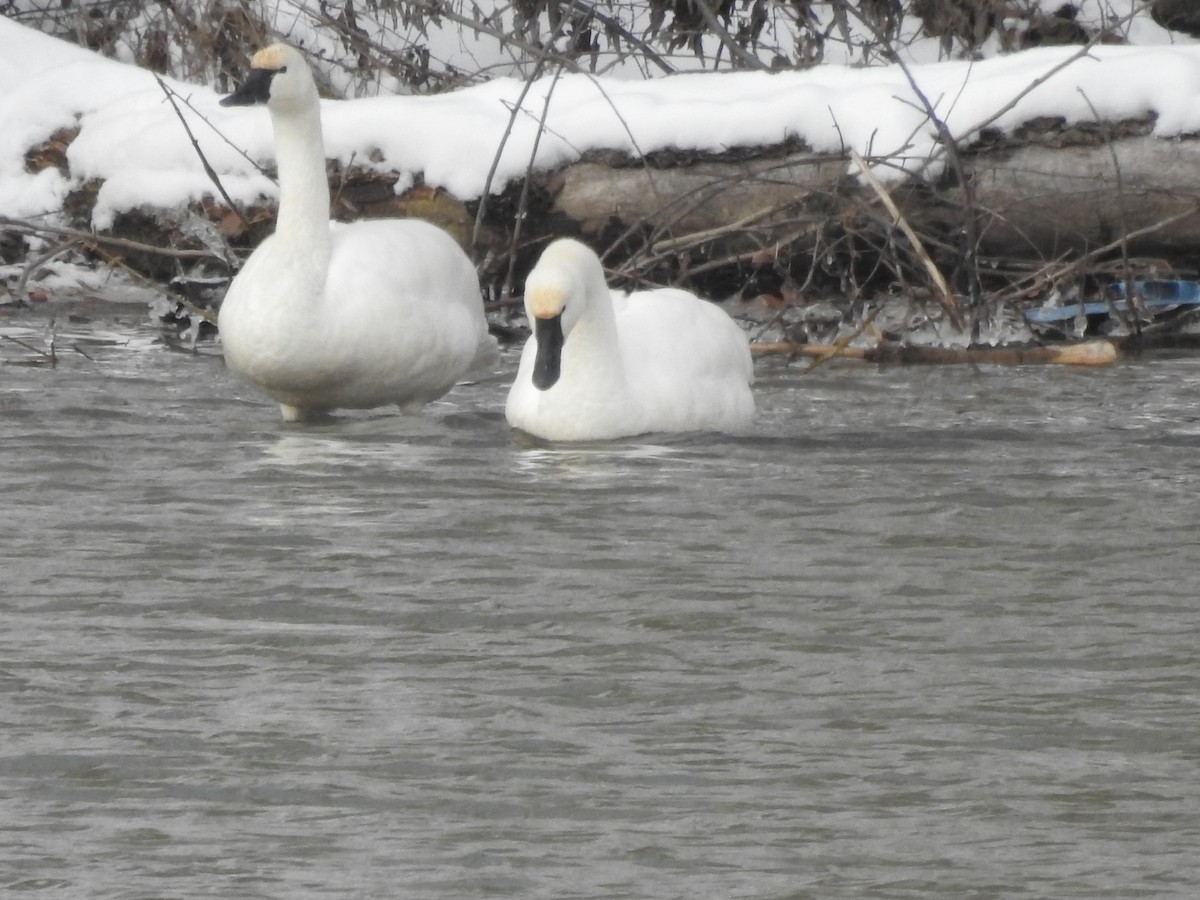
(556, 293)
(279, 77)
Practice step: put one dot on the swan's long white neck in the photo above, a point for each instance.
(303, 219)
(592, 343)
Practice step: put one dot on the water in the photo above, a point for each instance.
(927, 632)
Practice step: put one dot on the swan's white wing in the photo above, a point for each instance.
(687, 359)
(402, 300)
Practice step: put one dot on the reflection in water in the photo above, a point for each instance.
(316, 454)
(602, 461)
(926, 633)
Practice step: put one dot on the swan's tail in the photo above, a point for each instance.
(487, 357)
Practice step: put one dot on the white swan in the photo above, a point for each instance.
(601, 364)
(326, 316)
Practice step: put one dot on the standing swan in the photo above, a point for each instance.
(601, 364)
(325, 316)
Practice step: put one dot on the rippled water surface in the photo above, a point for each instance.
(925, 633)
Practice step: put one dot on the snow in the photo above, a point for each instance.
(132, 142)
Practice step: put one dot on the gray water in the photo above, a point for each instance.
(927, 633)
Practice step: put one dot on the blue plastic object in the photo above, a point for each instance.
(1157, 296)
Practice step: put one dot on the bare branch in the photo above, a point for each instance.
(87, 237)
(208, 169)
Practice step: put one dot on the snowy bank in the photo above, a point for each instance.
(132, 142)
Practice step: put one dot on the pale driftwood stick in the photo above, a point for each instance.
(1091, 353)
(948, 300)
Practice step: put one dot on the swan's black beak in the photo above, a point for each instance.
(547, 365)
(255, 89)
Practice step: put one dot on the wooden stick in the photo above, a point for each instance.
(1089, 353)
(43, 353)
(817, 351)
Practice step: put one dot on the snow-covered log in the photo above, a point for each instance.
(1036, 197)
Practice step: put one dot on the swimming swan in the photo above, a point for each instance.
(327, 315)
(601, 364)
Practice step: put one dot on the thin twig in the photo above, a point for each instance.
(506, 288)
(491, 175)
(208, 169)
(656, 249)
(46, 355)
(512, 120)
(669, 245)
(220, 134)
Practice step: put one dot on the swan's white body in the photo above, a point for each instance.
(326, 316)
(661, 360)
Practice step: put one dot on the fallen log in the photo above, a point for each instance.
(1090, 353)
(1049, 189)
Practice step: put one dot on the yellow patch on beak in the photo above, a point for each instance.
(269, 57)
(545, 302)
